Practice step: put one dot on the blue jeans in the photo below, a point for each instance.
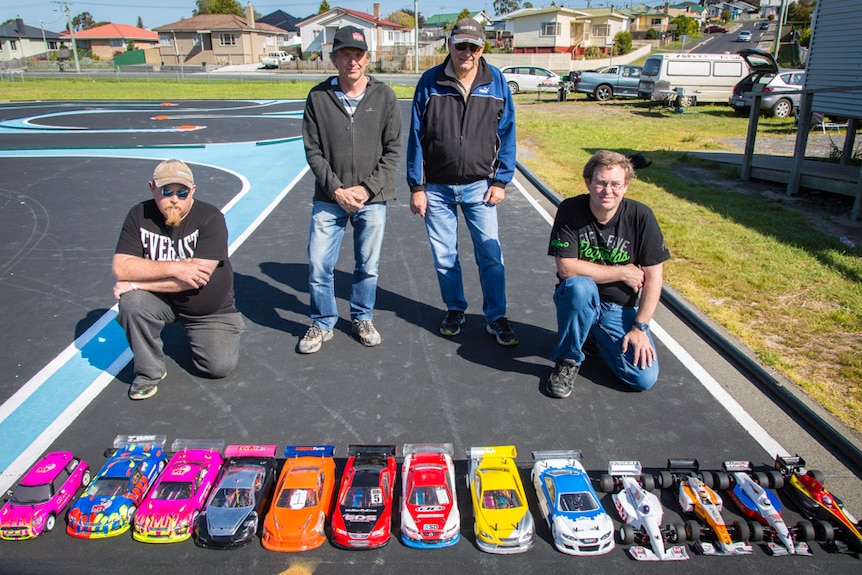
(441, 222)
(328, 221)
(580, 314)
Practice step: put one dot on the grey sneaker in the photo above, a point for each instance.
(313, 339)
(503, 331)
(452, 323)
(562, 379)
(364, 331)
(144, 388)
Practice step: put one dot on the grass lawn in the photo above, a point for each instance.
(787, 291)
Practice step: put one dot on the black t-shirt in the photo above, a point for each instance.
(632, 236)
(201, 234)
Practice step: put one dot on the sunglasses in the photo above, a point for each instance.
(472, 47)
(182, 193)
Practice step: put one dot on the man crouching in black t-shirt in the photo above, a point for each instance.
(609, 253)
(171, 265)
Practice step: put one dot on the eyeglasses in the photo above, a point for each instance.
(473, 48)
(615, 186)
(182, 193)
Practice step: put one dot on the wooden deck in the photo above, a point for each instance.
(816, 175)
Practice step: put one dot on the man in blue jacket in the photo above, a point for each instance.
(461, 152)
(352, 135)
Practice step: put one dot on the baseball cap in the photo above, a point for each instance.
(469, 31)
(349, 37)
(173, 172)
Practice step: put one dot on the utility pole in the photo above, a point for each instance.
(44, 41)
(71, 34)
(416, 36)
(782, 14)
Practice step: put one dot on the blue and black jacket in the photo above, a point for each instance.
(458, 141)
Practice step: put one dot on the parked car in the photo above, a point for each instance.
(744, 36)
(778, 86)
(715, 30)
(608, 82)
(530, 78)
(275, 59)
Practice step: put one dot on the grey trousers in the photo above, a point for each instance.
(214, 338)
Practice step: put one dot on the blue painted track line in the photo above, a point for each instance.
(47, 404)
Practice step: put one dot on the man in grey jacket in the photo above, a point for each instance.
(352, 135)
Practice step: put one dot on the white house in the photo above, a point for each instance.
(558, 29)
(318, 32)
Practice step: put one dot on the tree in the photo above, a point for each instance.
(324, 7)
(219, 7)
(622, 43)
(402, 18)
(83, 21)
(140, 22)
(685, 25)
(801, 11)
(465, 13)
(726, 16)
(505, 6)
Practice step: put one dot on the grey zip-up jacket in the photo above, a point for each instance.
(345, 151)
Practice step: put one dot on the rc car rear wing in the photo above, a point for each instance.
(559, 454)
(624, 468)
(683, 465)
(411, 448)
(354, 450)
(738, 466)
(123, 440)
(255, 451)
(202, 444)
(291, 451)
(500, 451)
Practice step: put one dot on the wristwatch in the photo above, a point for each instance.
(641, 325)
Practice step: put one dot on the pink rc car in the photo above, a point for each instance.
(42, 494)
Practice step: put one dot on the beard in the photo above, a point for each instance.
(173, 216)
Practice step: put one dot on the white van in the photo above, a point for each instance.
(704, 77)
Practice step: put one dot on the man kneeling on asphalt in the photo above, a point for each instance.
(609, 253)
(171, 265)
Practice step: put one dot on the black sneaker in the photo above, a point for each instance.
(452, 323)
(562, 379)
(144, 388)
(503, 331)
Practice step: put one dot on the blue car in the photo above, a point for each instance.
(570, 504)
(609, 82)
(107, 507)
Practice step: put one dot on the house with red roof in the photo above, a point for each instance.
(383, 37)
(106, 41)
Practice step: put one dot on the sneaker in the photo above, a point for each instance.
(452, 323)
(364, 331)
(144, 388)
(313, 339)
(501, 328)
(562, 379)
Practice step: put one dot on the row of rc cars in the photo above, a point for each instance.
(223, 496)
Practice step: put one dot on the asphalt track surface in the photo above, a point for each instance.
(70, 173)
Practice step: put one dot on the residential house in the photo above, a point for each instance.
(555, 29)
(384, 37)
(218, 39)
(770, 9)
(288, 23)
(659, 18)
(106, 41)
(439, 25)
(18, 40)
